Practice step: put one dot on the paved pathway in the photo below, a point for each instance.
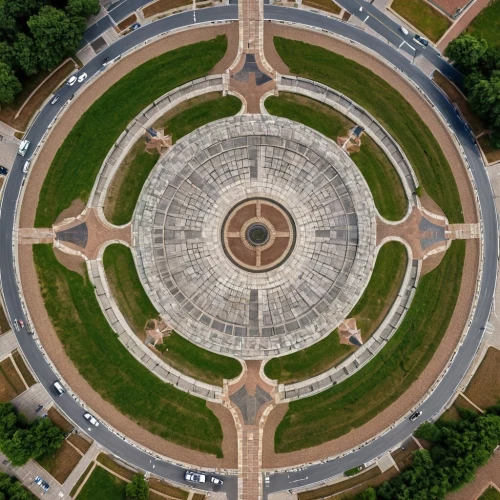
(75, 475)
(250, 400)
(29, 401)
(8, 343)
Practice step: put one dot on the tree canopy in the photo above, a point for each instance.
(480, 65)
(459, 448)
(20, 440)
(137, 489)
(37, 35)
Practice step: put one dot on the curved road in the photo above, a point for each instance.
(279, 481)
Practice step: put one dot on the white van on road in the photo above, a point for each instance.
(23, 148)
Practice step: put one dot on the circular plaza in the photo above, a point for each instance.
(256, 236)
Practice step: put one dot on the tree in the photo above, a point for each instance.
(368, 494)
(9, 84)
(25, 50)
(7, 54)
(467, 52)
(137, 489)
(83, 8)
(485, 98)
(55, 35)
(429, 432)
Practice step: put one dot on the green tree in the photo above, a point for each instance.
(485, 98)
(26, 54)
(368, 494)
(9, 84)
(7, 54)
(137, 489)
(429, 432)
(467, 52)
(55, 34)
(83, 8)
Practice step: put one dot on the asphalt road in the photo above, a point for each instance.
(281, 481)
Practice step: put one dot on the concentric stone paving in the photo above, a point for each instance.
(179, 250)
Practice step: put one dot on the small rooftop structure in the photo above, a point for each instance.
(156, 139)
(352, 142)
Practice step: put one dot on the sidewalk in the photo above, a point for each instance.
(77, 472)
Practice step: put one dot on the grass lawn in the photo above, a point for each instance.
(389, 107)
(371, 160)
(490, 494)
(108, 462)
(168, 489)
(4, 324)
(135, 305)
(59, 421)
(348, 405)
(485, 25)
(369, 312)
(326, 5)
(72, 174)
(61, 462)
(111, 370)
(80, 480)
(484, 388)
(11, 384)
(81, 443)
(164, 5)
(423, 17)
(102, 485)
(21, 365)
(125, 188)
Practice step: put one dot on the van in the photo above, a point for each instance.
(23, 147)
(58, 388)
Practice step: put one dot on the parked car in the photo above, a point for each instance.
(91, 419)
(58, 388)
(415, 416)
(195, 477)
(26, 166)
(421, 40)
(42, 483)
(23, 148)
(55, 99)
(403, 30)
(72, 80)
(82, 77)
(105, 62)
(135, 26)
(3, 170)
(217, 481)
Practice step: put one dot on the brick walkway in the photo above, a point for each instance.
(250, 400)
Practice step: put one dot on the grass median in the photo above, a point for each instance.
(135, 305)
(369, 312)
(111, 370)
(76, 164)
(350, 404)
(381, 177)
(423, 17)
(126, 186)
(389, 107)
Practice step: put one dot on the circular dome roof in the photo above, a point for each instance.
(255, 236)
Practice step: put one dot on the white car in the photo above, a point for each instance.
(26, 166)
(91, 419)
(82, 77)
(195, 477)
(216, 481)
(403, 30)
(72, 80)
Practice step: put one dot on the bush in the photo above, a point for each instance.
(138, 489)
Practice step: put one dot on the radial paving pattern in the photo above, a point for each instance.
(255, 236)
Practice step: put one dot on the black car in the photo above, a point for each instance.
(421, 41)
(3, 171)
(55, 99)
(415, 416)
(106, 61)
